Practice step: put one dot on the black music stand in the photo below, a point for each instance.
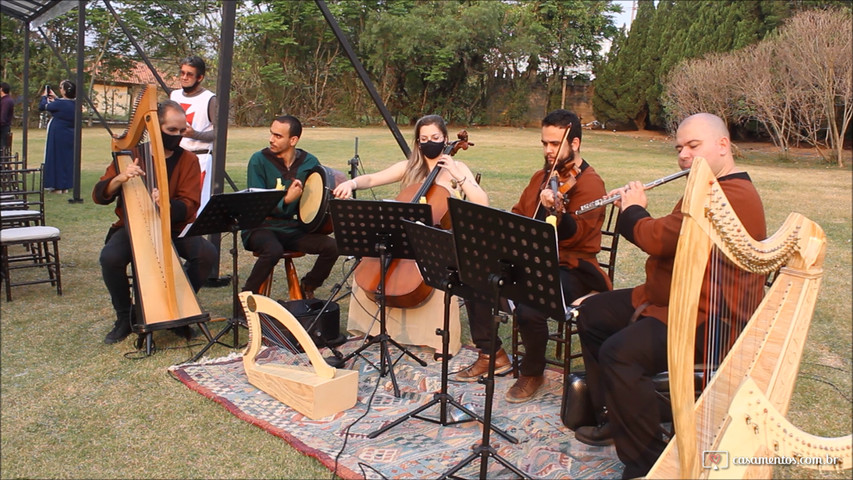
(232, 212)
(436, 255)
(502, 254)
(370, 228)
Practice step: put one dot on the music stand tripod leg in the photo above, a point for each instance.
(233, 322)
(232, 212)
(360, 225)
(385, 260)
(386, 365)
(485, 450)
(443, 398)
(235, 305)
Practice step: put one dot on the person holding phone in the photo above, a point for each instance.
(59, 148)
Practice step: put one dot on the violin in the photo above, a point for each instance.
(561, 178)
(404, 285)
(562, 188)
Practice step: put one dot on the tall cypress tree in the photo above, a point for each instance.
(622, 87)
(660, 36)
(629, 85)
(605, 83)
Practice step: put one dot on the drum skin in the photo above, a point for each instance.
(314, 202)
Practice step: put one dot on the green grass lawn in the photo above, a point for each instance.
(73, 407)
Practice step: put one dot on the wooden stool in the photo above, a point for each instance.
(293, 287)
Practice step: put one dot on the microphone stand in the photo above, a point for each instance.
(353, 165)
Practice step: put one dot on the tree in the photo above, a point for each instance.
(767, 89)
(819, 56)
(679, 29)
(604, 102)
(447, 57)
(289, 61)
(573, 31)
(798, 83)
(622, 90)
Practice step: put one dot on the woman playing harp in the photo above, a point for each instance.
(624, 332)
(181, 179)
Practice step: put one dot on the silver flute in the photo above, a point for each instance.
(608, 200)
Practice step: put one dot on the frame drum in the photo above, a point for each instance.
(314, 202)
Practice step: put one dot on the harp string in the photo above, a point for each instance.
(733, 296)
(271, 330)
(151, 209)
(151, 185)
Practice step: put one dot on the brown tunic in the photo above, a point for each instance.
(585, 241)
(184, 190)
(658, 237)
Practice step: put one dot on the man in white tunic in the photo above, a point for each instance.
(200, 105)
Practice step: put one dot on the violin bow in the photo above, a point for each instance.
(554, 166)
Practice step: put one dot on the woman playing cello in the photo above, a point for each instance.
(431, 152)
(427, 153)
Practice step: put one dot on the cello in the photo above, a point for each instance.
(404, 285)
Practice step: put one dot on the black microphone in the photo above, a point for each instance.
(353, 165)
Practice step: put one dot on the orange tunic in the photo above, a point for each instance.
(184, 191)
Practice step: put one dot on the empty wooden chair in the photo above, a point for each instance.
(34, 248)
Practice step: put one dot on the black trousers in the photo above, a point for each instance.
(4, 133)
(116, 255)
(480, 321)
(620, 358)
(270, 245)
(532, 324)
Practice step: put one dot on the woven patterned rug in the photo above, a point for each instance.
(416, 448)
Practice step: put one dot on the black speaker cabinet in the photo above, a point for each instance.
(326, 332)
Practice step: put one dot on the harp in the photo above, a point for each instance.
(317, 391)
(165, 298)
(741, 411)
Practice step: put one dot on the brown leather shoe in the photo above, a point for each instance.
(524, 389)
(480, 367)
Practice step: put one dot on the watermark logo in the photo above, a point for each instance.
(715, 459)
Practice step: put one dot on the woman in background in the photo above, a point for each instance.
(59, 148)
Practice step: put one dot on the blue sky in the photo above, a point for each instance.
(625, 16)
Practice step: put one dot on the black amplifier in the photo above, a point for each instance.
(326, 331)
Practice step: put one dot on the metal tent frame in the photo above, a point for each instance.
(34, 13)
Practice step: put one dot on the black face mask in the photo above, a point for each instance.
(171, 142)
(431, 149)
(191, 87)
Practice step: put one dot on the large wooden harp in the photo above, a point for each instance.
(741, 411)
(316, 391)
(164, 296)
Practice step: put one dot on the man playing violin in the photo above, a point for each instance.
(283, 165)
(579, 242)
